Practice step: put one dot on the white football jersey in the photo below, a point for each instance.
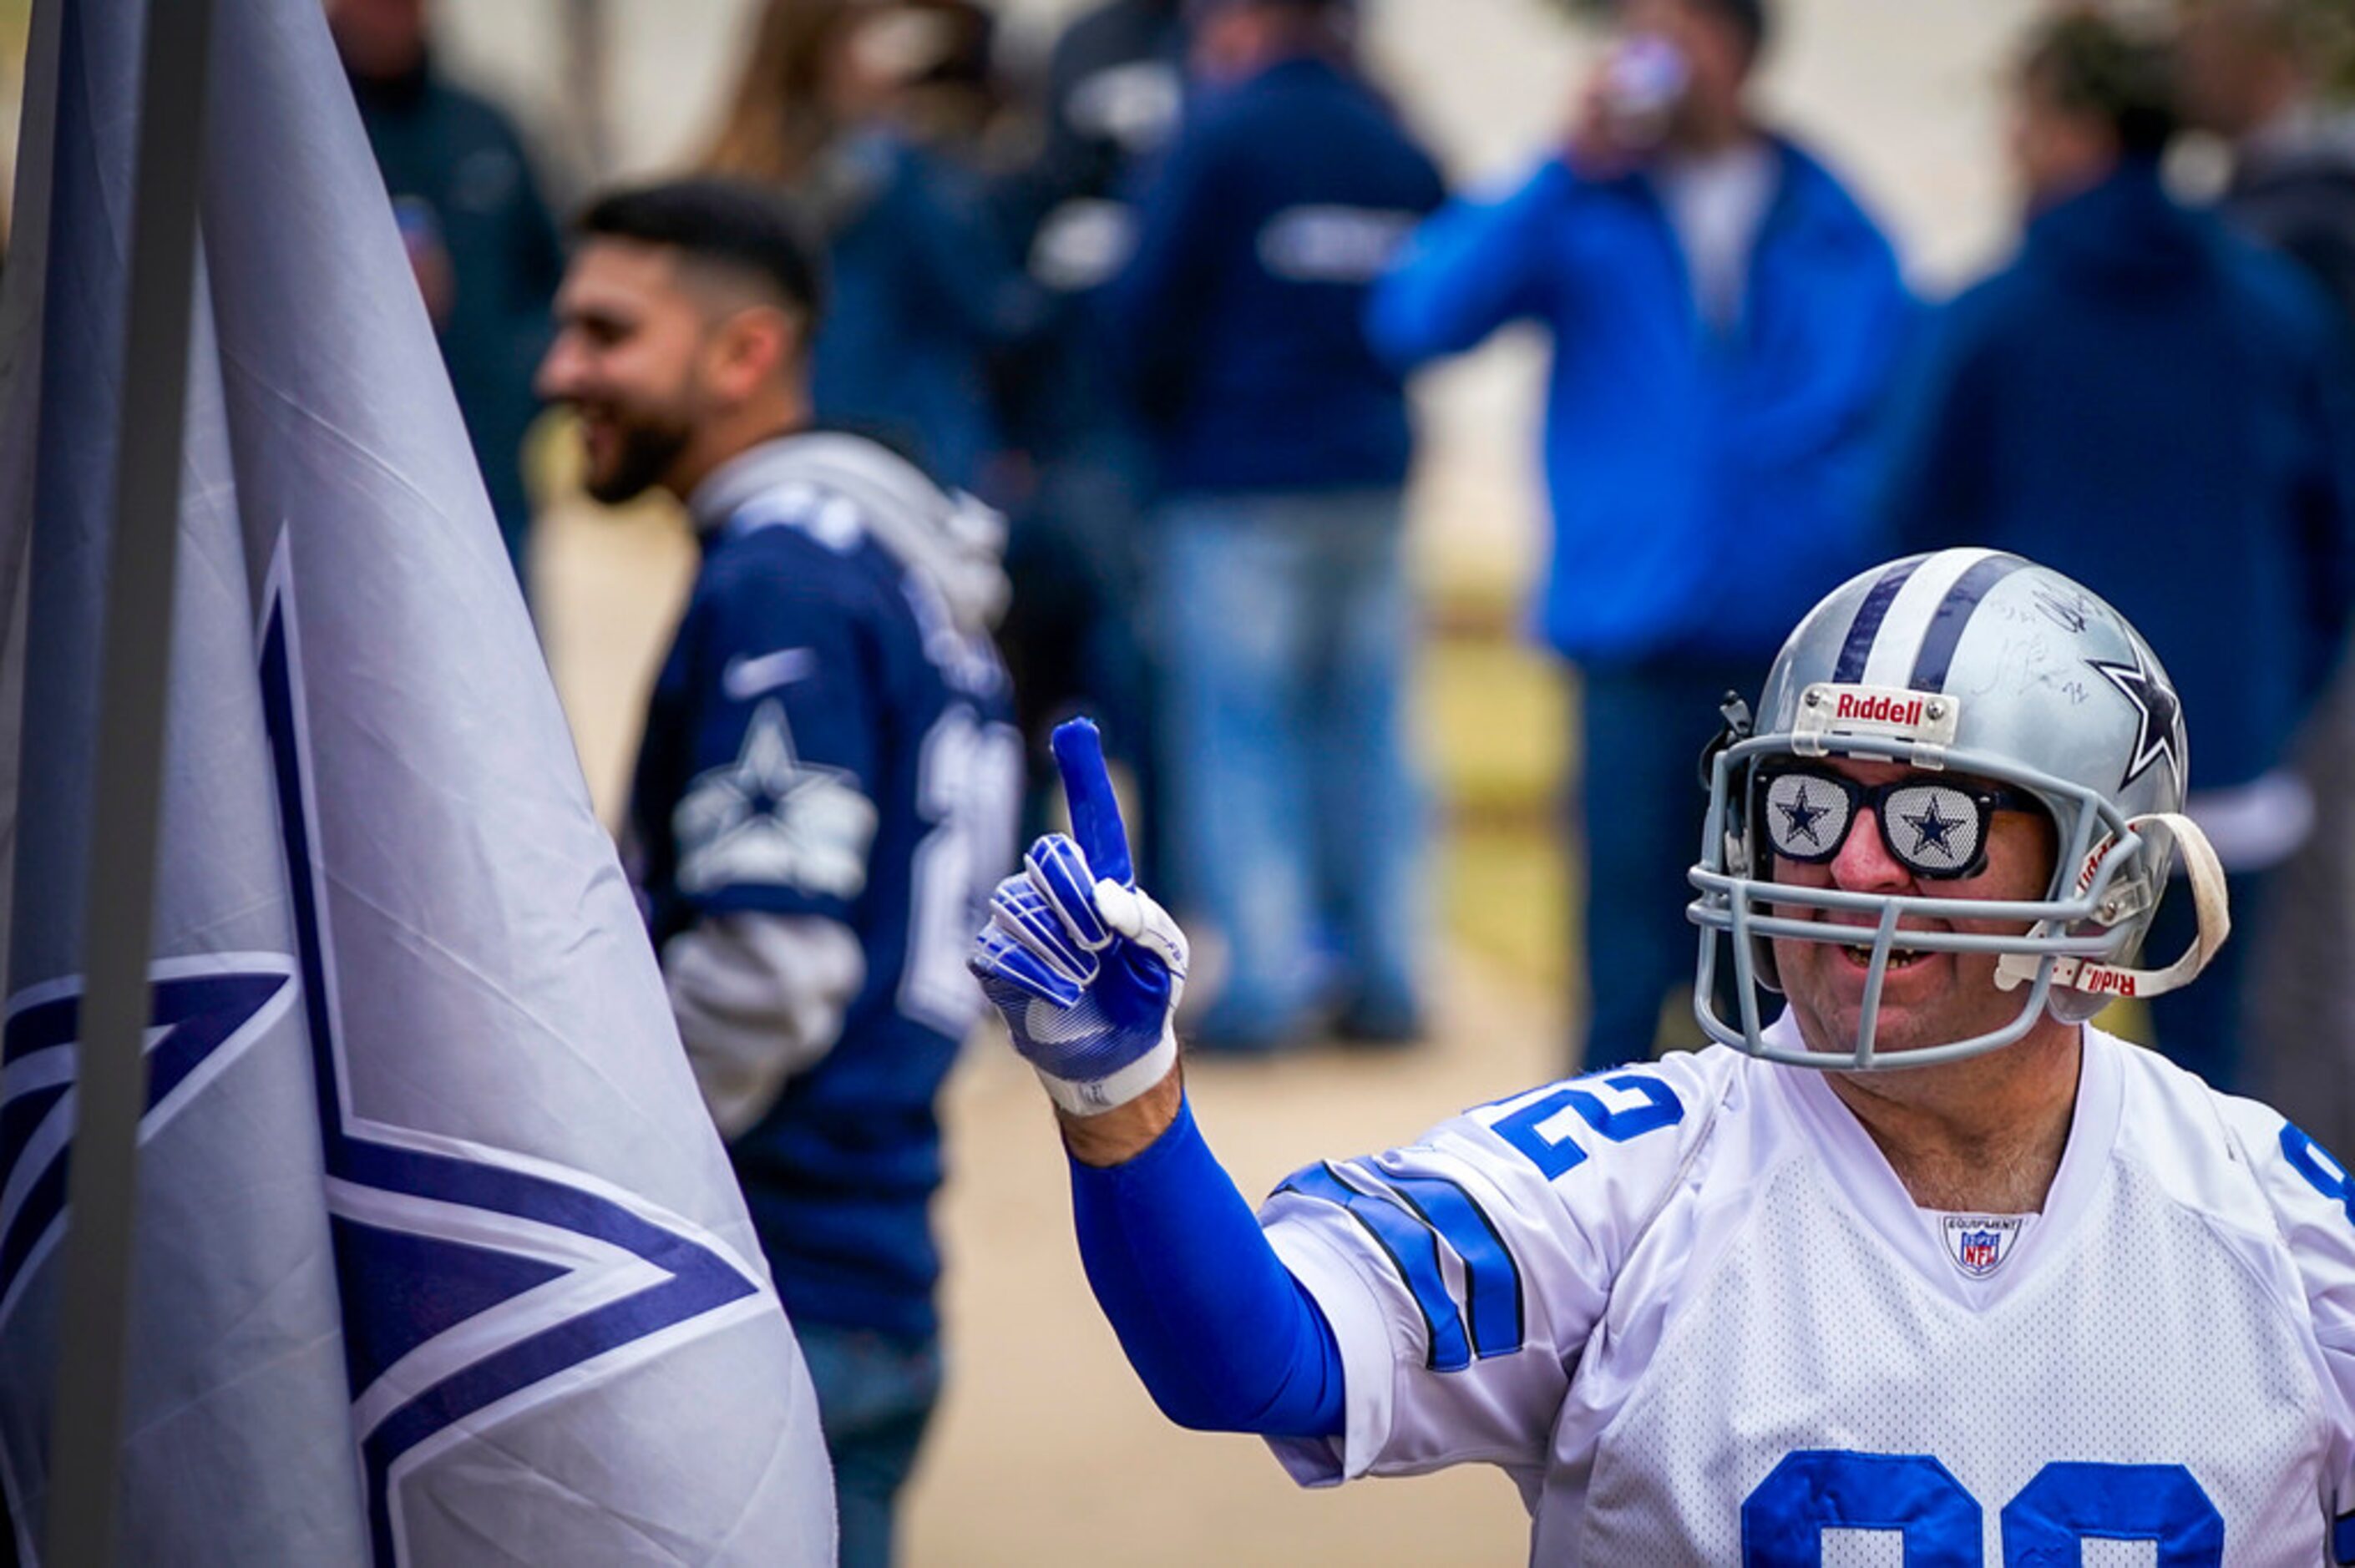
(1693, 1311)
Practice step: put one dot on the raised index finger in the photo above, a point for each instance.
(1096, 810)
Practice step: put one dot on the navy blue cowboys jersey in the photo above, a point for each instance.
(824, 740)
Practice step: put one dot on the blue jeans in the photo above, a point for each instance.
(1640, 808)
(875, 1396)
(1296, 825)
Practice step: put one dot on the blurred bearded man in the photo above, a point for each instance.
(826, 790)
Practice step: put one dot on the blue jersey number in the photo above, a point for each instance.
(2323, 1173)
(969, 788)
(1653, 1105)
(1783, 1519)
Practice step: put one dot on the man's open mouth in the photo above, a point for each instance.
(1900, 958)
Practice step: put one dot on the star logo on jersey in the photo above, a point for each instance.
(1800, 817)
(2159, 732)
(771, 819)
(203, 1013)
(477, 1283)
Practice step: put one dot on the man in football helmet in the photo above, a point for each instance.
(2037, 1288)
(1962, 726)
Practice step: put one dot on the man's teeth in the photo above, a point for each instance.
(1898, 957)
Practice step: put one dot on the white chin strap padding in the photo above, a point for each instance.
(2206, 874)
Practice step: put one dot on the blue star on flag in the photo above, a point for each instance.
(203, 1012)
(474, 1280)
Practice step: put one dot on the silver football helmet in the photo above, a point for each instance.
(2001, 683)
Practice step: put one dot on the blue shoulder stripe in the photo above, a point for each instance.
(1413, 1250)
(1492, 1280)
(1408, 1220)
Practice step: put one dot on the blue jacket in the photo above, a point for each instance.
(1707, 486)
(1238, 320)
(2159, 410)
(923, 290)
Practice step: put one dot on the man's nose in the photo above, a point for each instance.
(560, 370)
(1864, 863)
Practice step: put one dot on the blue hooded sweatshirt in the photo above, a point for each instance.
(2160, 409)
(1708, 485)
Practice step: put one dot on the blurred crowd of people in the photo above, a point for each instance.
(1158, 308)
(1133, 304)
(1125, 310)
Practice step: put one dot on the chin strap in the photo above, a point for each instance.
(2097, 978)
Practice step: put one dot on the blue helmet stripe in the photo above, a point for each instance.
(1867, 624)
(1936, 654)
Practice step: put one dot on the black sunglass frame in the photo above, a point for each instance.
(1986, 797)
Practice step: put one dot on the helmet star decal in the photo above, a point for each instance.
(2160, 732)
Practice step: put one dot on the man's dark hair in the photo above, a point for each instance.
(1747, 16)
(2087, 64)
(727, 223)
(1197, 11)
(1752, 17)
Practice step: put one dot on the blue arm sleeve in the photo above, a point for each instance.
(1471, 267)
(1224, 1337)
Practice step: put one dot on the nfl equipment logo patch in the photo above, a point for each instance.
(1979, 1243)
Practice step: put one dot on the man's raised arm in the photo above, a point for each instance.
(1087, 970)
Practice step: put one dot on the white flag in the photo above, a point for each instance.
(439, 1260)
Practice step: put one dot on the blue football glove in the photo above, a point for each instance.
(1086, 968)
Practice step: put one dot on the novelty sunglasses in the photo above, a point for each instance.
(1936, 828)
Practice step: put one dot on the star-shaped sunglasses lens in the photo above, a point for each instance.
(1936, 828)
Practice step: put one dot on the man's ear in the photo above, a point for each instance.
(754, 348)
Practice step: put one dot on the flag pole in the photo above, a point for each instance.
(118, 910)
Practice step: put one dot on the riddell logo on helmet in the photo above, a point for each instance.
(1877, 709)
(1831, 709)
(2094, 980)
